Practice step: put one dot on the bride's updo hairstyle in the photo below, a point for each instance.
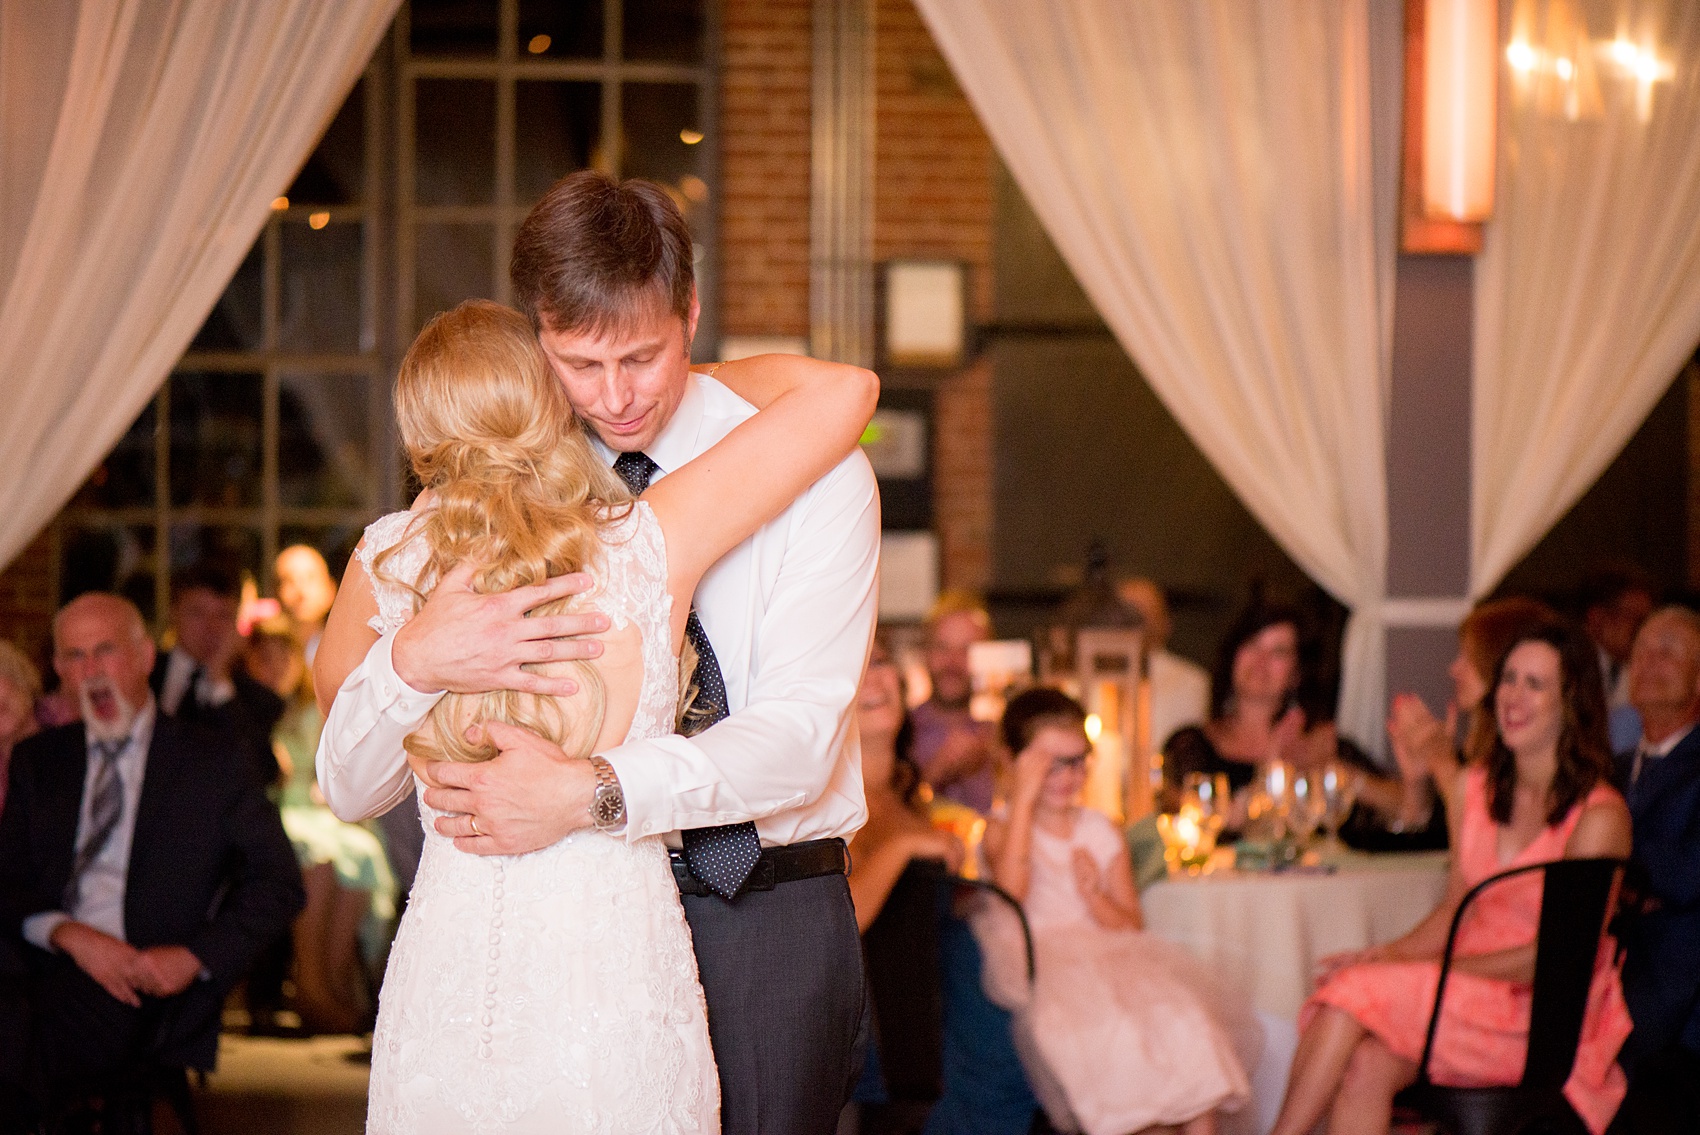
(517, 490)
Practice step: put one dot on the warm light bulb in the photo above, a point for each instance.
(1521, 56)
(279, 204)
(318, 220)
(1565, 68)
(539, 44)
(1625, 52)
(1094, 727)
(1649, 70)
(690, 137)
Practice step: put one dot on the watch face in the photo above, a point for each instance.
(608, 808)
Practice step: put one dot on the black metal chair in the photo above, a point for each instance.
(1575, 897)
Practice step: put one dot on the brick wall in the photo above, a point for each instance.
(933, 192)
(764, 137)
(27, 597)
(962, 477)
(934, 197)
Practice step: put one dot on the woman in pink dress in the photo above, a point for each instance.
(1541, 794)
(1120, 1033)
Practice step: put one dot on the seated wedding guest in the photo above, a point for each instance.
(202, 677)
(1542, 793)
(1118, 1035)
(953, 750)
(350, 891)
(306, 591)
(1614, 602)
(1426, 745)
(1661, 972)
(897, 831)
(1180, 688)
(142, 880)
(20, 688)
(897, 862)
(1256, 717)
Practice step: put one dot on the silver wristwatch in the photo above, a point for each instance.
(608, 806)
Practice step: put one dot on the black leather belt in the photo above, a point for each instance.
(777, 865)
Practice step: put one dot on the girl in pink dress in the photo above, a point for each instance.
(1118, 1035)
(1542, 794)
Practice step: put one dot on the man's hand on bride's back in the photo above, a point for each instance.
(468, 643)
(526, 797)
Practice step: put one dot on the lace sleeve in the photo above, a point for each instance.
(395, 601)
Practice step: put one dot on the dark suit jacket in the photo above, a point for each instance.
(210, 866)
(245, 722)
(1661, 974)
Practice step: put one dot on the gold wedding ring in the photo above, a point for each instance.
(473, 820)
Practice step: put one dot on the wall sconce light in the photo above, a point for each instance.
(1460, 72)
(925, 312)
(1451, 111)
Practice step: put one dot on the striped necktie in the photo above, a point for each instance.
(721, 858)
(106, 804)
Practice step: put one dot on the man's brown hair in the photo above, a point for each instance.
(596, 254)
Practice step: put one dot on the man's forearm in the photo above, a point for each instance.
(362, 766)
(782, 750)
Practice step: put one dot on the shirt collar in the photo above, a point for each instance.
(179, 661)
(1663, 748)
(141, 731)
(677, 442)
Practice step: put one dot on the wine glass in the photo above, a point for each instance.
(1275, 792)
(1339, 793)
(1308, 806)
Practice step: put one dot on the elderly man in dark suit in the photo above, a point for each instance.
(201, 678)
(137, 878)
(1661, 781)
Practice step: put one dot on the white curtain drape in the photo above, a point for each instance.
(1587, 294)
(141, 145)
(1205, 168)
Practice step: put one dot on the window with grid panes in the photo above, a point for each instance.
(276, 428)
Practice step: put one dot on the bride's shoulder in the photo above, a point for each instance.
(389, 530)
(624, 523)
(631, 537)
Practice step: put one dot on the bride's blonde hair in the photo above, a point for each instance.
(518, 491)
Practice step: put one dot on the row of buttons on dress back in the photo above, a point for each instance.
(490, 970)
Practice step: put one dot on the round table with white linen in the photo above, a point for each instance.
(1261, 934)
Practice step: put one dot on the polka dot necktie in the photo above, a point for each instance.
(720, 858)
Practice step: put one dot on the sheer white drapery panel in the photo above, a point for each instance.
(1205, 167)
(1587, 295)
(141, 145)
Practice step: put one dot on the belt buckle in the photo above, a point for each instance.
(761, 876)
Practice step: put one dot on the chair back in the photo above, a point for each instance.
(996, 893)
(1575, 895)
(902, 953)
(1574, 904)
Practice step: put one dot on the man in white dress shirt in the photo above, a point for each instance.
(783, 624)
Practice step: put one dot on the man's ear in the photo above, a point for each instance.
(691, 320)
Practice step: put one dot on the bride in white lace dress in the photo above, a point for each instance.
(557, 991)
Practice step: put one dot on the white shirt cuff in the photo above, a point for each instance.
(647, 793)
(38, 928)
(401, 700)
